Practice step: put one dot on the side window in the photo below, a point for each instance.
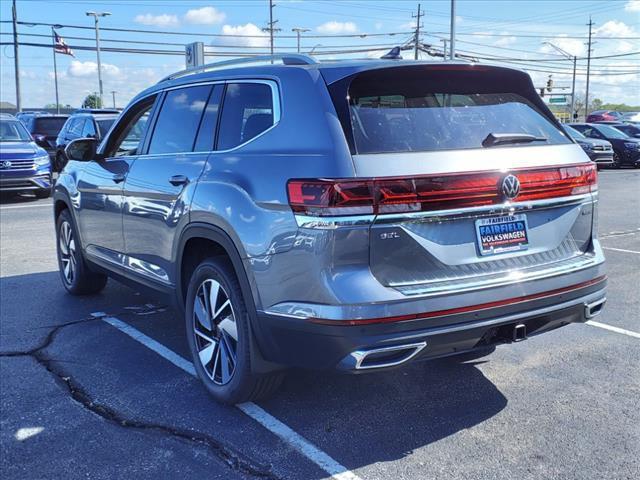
(75, 129)
(126, 138)
(89, 129)
(207, 132)
(246, 113)
(177, 124)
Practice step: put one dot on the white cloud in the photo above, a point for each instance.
(614, 28)
(632, 6)
(257, 38)
(86, 69)
(378, 25)
(334, 27)
(204, 16)
(163, 20)
(505, 41)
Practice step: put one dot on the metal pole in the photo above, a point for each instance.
(416, 40)
(586, 96)
(444, 51)
(573, 88)
(271, 25)
(16, 62)
(98, 55)
(55, 68)
(113, 93)
(299, 31)
(452, 40)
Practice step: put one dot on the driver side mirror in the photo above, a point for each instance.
(82, 149)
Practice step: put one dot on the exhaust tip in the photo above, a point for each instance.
(594, 309)
(386, 356)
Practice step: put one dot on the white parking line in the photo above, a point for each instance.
(613, 329)
(620, 250)
(39, 205)
(275, 426)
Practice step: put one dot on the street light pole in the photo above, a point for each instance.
(55, 68)
(95, 16)
(113, 93)
(16, 62)
(452, 40)
(573, 82)
(299, 31)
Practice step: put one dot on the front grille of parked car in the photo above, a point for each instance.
(601, 148)
(26, 164)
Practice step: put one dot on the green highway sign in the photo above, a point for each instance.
(558, 100)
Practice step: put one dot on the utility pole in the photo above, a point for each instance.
(113, 93)
(586, 96)
(444, 50)
(416, 40)
(55, 68)
(96, 16)
(16, 62)
(452, 41)
(299, 31)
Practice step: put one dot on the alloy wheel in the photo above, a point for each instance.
(215, 331)
(67, 252)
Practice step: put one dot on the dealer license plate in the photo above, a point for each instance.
(503, 234)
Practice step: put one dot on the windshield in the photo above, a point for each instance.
(611, 132)
(48, 125)
(573, 132)
(13, 131)
(104, 126)
(405, 117)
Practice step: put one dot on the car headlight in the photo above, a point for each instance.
(586, 146)
(42, 160)
(632, 145)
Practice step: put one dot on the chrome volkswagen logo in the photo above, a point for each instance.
(510, 187)
(6, 164)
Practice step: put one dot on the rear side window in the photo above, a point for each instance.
(104, 126)
(404, 113)
(76, 126)
(178, 121)
(246, 113)
(89, 130)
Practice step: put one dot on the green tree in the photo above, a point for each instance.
(92, 101)
(596, 104)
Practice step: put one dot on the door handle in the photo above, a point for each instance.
(118, 177)
(177, 180)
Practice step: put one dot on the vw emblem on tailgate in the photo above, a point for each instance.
(510, 187)
(6, 164)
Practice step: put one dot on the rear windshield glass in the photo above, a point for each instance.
(48, 125)
(408, 118)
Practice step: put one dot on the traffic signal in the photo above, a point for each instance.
(549, 84)
(542, 92)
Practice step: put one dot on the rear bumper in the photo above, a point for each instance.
(301, 342)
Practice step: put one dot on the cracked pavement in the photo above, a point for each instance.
(79, 399)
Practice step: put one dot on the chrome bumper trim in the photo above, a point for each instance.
(342, 221)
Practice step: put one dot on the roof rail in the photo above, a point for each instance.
(286, 58)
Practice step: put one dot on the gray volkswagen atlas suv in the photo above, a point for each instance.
(353, 215)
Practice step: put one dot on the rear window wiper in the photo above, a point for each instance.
(504, 138)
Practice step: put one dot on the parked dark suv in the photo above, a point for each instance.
(44, 129)
(350, 215)
(626, 149)
(81, 125)
(599, 151)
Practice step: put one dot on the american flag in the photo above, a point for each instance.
(62, 47)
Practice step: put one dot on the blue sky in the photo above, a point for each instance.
(514, 30)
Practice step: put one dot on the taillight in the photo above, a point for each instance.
(321, 197)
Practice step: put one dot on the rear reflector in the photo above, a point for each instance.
(436, 192)
(459, 310)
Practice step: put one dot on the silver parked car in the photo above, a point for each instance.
(352, 215)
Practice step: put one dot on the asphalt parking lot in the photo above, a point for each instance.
(109, 395)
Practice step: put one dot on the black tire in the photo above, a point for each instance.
(44, 193)
(616, 160)
(81, 281)
(213, 346)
